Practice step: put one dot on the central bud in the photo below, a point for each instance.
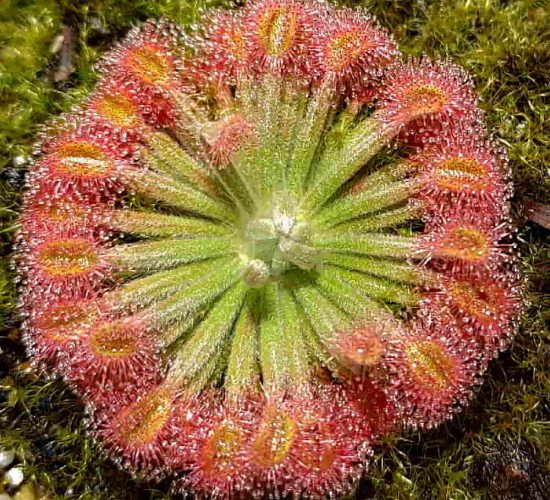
(275, 240)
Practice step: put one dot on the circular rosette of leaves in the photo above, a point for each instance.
(255, 250)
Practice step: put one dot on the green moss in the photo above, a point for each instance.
(26, 32)
(504, 44)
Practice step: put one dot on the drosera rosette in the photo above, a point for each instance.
(257, 249)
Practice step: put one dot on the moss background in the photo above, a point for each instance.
(500, 447)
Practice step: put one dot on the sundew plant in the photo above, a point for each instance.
(258, 248)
